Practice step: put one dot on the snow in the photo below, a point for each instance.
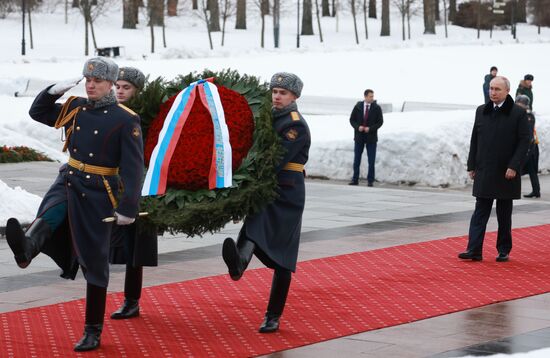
(26, 208)
(424, 147)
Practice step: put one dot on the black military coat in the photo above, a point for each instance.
(500, 140)
(375, 121)
(276, 229)
(106, 136)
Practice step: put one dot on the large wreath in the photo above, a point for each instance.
(196, 211)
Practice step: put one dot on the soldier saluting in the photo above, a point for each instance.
(274, 233)
(102, 177)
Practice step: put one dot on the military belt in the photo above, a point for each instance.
(295, 167)
(92, 169)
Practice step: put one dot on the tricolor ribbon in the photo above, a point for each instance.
(220, 175)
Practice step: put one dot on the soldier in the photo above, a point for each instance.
(133, 245)
(273, 234)
(106, 154)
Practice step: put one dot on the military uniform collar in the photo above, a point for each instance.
(103, 101)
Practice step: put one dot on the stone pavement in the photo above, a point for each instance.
(338, 219)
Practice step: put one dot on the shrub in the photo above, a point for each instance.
(21, 154)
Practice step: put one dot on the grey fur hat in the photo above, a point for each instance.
(132, 75)
(288, 81)
(101, 67)
(523, 99)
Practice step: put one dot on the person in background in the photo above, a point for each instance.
(526, 88)
(273, 234)
(366, 118)
(133, 245)
(498, 148)
(532, 164)
(106, 154)
(488, 77)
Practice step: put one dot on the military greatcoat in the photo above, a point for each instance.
(276, 229)
(106, 135)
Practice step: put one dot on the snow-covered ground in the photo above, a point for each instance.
(425, 147)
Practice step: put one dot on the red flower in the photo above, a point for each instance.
(190, 164)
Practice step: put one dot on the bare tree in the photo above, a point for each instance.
(385, 30)
(429, 17)
(203, 14)
(307, 18)
(91, 10)
(261, 6)
(452, 10)
(214, 8)
(353, 14)
(436, 10)
(401, 5)
(325, 8)
(129, 14)
(227, 11)
(172, 7)
(318, 20)
(372, 9)
(334, 6)
(276, 22)
(365, 15)
(195, 4)
(445, 17)
(240, 23)
(155, 12)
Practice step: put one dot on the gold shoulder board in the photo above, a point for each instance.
(295, 116)
(127, 109)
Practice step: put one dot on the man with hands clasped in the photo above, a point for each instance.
(102, 178)
(498, 147)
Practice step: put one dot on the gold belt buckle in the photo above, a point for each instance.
(81, 167)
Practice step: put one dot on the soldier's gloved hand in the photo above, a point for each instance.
(123, 220)
(64, 86)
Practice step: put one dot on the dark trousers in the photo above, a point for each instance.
(531, 167)
(358, 153)
(279, 291)
(478, 225)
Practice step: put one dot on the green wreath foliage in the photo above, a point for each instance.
(254, 182)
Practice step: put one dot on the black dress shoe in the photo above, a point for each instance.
(129, 309)
(270, 323)
(91, 338)
(503, 257)
(369, 184)
(467, 255)
(532, 195)
(353, 182)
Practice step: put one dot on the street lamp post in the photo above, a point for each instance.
(23, 10)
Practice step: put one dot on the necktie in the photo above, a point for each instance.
(366, 118)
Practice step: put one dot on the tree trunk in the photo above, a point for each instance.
(207, 22)
(354, 21)
(334, 8)
(403, 11)
(325, 8)
(152, 28)
(445, 17)
(307, 18)
(429, 17)
(276, 22)
(156, 12)
(214, 7)
(265, 7)
(129, 14)
(318, 20)
(372, 9)
(93, 32)
(30, 28)
(408, 19)
(164, 35)
(76, 3)
(240, 23)
(452, 10)
(521, 11)
(195, 4)
(385, 31)
(172, 7)
(262, 31)
(225, 14)
(436, 10)
(365, 19)
(86, 48)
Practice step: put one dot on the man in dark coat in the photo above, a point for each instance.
(532, 163)
(134, 245)
(526, 88)
(273, 234)
(366, 118)
(487, 80)
(106, 154)
(498, 148)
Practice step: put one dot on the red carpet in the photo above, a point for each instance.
(329, 298)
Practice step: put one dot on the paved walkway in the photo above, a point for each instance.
(338, 219)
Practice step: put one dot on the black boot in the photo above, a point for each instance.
(237, 256)
(270, 323)
(26, 245)
(91, 338)
(277, 300)
(129, 309)
(132, 292)
(96, 297)
(532, 195)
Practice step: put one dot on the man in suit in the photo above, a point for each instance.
(366, 118)
(498, 147)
